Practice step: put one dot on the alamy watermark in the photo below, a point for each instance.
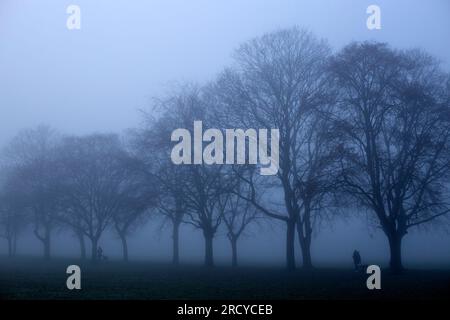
(373, 21)
(191, 150)
(74, 280)
(74, 19)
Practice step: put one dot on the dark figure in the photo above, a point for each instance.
(99, 253)
(356, 260)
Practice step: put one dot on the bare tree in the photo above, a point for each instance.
(32, 154)
(238, 214)
(315, 177)
(278, 82)
(191, 190)
(69, 215)
(153, 146)
(13, 211)
(205, 189)
(172, 203)
(93, 184)
(394, 117)
(136, 196)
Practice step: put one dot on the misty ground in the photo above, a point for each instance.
(32, 278)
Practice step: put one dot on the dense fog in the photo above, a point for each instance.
(101, 78)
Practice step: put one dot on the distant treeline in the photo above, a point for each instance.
(365, 129)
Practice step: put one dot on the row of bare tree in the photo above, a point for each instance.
(90, 183)
(364, 129)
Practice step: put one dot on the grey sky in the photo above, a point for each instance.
(96, 78)
(127, 51)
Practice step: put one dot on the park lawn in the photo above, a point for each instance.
(33, 278)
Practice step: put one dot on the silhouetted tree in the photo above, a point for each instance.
(136, 196)
(237, 215)
(13, 211)
(69, 215)
(394, 117)
(93, 183)
(315, 176)
(172, 203)
(32, 155)
(203, 194)
(197, 187)
(278, 82)
(153, 146)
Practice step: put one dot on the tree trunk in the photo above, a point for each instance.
(14, 245)
(209, 255)
(395, 246)
(124, 247)
(234, 261)
(47, 244)
(45, 239)
(175, 243)
(304, 238)
(82, 245)
(305, 245)
(290, 251)
(10, 247)
(94, 249)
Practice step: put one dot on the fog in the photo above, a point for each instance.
(98, 78)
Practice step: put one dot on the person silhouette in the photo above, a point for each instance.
(356, 260)
(99, 253)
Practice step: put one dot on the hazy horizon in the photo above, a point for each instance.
(96, 79)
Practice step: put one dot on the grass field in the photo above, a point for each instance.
(32, 278)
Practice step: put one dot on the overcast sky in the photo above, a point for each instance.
(96, 78)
